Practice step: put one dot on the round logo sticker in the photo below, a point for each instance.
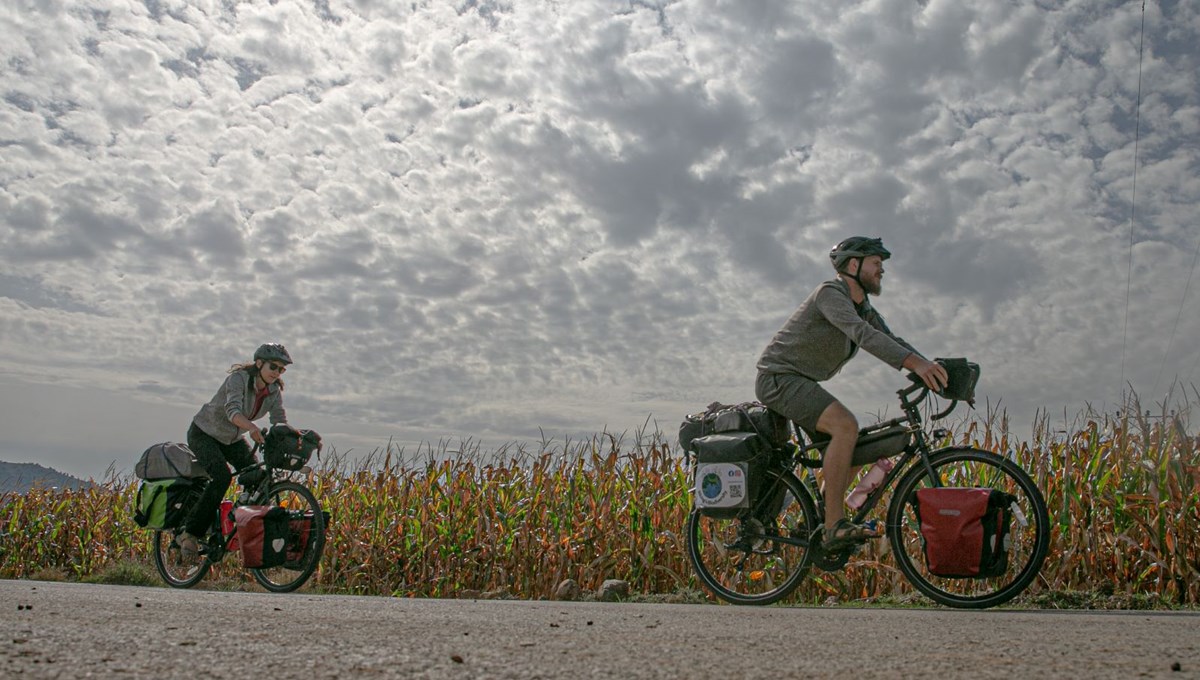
(710, 486)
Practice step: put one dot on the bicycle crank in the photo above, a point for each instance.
(831, 561)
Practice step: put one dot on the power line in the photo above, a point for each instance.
(1137, 128)
(1171, 340)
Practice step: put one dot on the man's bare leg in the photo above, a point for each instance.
(842, 427)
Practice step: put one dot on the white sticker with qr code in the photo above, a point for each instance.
(721, 485)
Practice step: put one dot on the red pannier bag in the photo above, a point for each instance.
(299, 528)
(262, 533)
(965, 531)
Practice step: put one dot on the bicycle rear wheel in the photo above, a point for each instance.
(306, 538)
(176, 571)
(752, 559)
(1029, 534)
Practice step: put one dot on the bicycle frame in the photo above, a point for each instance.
(917, 451)
(218, 541)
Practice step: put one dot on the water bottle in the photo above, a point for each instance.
(869, 483)
(227, 527)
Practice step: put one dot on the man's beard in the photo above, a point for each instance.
(872, 286)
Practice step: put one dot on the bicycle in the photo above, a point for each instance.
(262, 484)
(761, 555)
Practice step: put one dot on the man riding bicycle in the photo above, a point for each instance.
(813, 346)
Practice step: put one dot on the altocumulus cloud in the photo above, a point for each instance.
(482, 218)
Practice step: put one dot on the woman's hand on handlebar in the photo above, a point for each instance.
(931, 373)
(246, 424)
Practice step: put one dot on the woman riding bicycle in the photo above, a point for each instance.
(813, 346)
(252, 390)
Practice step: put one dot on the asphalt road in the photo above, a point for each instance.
(67, 630)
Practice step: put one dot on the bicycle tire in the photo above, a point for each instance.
(171, 566)
(738, 560)
(1029, 534)
(303, 506)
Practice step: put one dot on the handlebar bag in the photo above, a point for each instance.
(164, 503)
(262, 533)
(964, 531)
(963, 376)
(286, 448)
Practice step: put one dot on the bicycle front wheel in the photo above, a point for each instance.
(172, 567)
(761, 557)
(1028, 537)
(305, 542)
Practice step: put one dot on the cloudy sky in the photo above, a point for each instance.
(502, 220)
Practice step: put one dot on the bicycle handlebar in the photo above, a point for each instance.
(920, 386)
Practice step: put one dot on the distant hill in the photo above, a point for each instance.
(21, 477)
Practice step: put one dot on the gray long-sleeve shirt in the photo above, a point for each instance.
(826, 331)
(236, 395)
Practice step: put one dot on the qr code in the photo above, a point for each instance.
(735, 492)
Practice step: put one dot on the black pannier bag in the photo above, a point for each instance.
(750, 416)
(286, 448)
(730, 468)
(964, 531)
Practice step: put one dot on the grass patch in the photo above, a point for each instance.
(1079, 599)
(125, 573)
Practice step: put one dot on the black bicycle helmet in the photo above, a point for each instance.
(857, 247)
(273, 351)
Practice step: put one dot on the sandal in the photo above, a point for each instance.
(846, 533)
(189, 547)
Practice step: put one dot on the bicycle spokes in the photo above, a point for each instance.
(1025, 543)
(748, 560)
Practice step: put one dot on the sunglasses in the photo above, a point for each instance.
(278, 368)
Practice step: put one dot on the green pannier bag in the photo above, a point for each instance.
(164, 503)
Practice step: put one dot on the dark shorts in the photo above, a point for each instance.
(799, 399)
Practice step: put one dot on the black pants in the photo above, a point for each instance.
(216, 459)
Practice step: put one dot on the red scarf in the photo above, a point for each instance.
(259, 395)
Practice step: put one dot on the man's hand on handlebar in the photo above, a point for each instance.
(931, 373)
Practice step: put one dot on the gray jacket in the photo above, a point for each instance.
(235, 396)
(826, 331)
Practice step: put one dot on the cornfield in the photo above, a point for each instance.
(1124, 497)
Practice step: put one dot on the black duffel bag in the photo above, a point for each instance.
(750, 416)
